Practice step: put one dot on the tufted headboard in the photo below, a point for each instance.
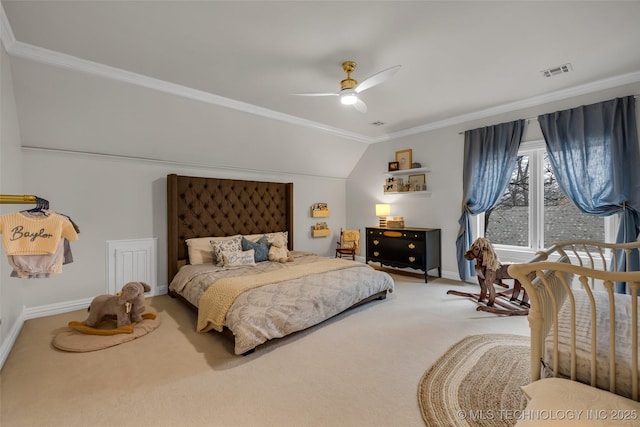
(203, 207)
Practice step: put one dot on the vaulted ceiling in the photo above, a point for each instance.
(459, 60)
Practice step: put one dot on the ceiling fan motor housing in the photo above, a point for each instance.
(348, 83)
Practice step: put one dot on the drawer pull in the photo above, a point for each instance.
(376, 242)
(412, 259)
(376, 253)
(392, 233)
(412, 246)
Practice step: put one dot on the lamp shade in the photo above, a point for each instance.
(383, 209)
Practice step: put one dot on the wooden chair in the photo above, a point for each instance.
(349, 244)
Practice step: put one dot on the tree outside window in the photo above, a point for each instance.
(534, 212)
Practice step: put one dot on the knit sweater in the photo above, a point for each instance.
(25, 235)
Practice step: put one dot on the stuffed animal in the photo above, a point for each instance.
(278, 250)
(127, 306)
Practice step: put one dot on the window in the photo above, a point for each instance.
(533, 212)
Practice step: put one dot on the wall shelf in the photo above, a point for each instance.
(413, 193)
(324, 232)
(320, 213)
(407, 172)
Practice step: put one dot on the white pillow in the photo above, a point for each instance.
(200, 250)
(560, 402)
(219, 245)
(255, 237)
(238, 258)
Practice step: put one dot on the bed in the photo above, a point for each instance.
(581, 329)
(253, 302)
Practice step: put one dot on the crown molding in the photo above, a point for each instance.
(61, 60)
(535, 101)
(57, 59)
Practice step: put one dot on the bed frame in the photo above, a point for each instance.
(558, 271)
(203, 207)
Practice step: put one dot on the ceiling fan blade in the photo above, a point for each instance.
(360, 106)
(314, 94)
(376, 79)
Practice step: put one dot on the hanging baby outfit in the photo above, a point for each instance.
(35, 243)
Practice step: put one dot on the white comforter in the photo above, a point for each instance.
(276, 310)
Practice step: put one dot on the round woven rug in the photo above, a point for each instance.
(477, 382)
(69, 339)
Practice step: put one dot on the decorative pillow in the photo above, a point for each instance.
(260, 248)
(558, 402)
(238, 258)
(232, 244)
(270, 236)
(199, 250)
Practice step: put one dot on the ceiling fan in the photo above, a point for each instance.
(349, 88)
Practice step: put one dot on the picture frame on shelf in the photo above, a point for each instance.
(418, 182)
(403, 157)
(394, 166)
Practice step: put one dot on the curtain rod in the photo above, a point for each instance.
(535, 118)
(17, 199)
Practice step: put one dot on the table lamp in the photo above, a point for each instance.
(383, 210)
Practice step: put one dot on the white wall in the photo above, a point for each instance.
(10, 183)
(113, 198)
(442, 151)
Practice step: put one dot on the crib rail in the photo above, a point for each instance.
(553, 284)
(598, 255)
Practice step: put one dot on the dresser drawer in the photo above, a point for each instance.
(405, 248)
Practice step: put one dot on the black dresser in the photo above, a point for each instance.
(417, 248)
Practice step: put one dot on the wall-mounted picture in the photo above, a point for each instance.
(403, 157)
(394, 166)
(417, 182)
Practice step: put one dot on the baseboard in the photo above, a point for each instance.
(67, 306)
(57, 308)
(8, 343)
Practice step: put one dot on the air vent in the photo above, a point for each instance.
(561, 69)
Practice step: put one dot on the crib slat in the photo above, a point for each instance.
(634, 339)
(612, 336)
(594, 331)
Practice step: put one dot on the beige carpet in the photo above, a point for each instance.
(477, 382)
(359, 369)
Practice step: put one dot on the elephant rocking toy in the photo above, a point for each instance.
(127, 306)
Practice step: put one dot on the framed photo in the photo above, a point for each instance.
(417, 182)
(403, 158)
(394, 166)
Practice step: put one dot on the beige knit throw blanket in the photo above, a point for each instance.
(216, 301)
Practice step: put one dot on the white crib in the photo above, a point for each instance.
(580, 328)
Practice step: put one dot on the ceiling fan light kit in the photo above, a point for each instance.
(349, 88)
(348, 97)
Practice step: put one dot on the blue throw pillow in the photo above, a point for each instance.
(260, 248)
